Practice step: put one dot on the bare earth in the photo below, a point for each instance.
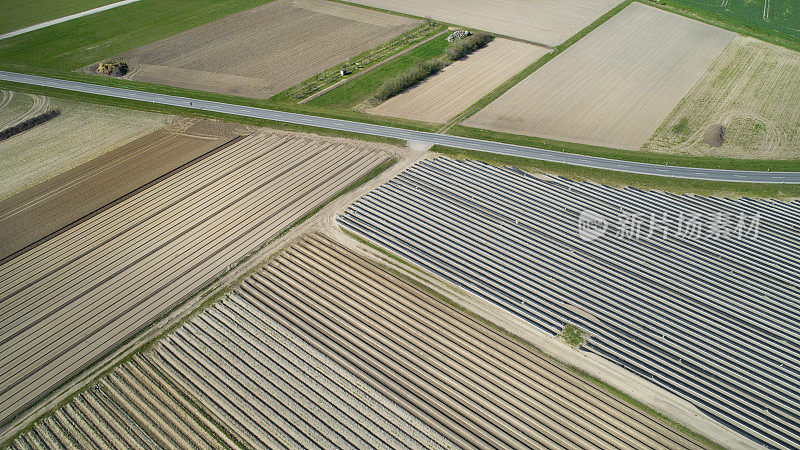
(614, 87)
(462, 83)
(753, 89)
(81, 133)
(548, 22)
(36, 213)
(67, 302)
(263, 51)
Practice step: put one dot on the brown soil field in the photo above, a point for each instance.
(615, 86)
(81, 133)
(44, 209)
(462, 83)
(263, 51)
(69, 301)
(753, 90)
(548, 22)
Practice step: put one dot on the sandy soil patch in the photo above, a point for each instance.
(81, 133)
(615, 86)
(752, 89)
(462, 83)
(263, 51)
(548, 22)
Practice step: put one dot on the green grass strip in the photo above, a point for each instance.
(624, 179)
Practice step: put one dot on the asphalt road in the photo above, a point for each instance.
(411, 135)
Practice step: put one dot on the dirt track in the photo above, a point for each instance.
(263, 51)
(462, 83)
(68, 301)
(615, 86)
(34, 214)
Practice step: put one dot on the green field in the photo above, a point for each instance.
(71, 45)
(23, 13)
(357, 91)
(783, 16)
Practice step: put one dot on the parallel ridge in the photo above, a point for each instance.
(270, 389)
(470, 383)
(714, 321)
(70, 300)
(134, 407)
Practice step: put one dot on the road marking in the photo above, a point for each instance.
(39, 26)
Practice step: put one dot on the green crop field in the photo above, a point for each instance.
(71, 45)
(18, 14)
(779, 19)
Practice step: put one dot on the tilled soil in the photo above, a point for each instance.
(263, 51)
(31, 216)
(462, 83)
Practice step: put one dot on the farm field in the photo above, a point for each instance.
(82, 132)
(704, 309)
(614, 87)
(462, 83)
(263, 51)
(44, 209)
(259, 382)
(22, 13)
(751, 89)
(68, 301)
(471, 384)
(780, 17)
(548, 22)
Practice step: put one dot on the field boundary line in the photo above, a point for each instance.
(368, 70)
(48, 23)
(525, 73)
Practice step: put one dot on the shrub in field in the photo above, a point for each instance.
(573, 335)
(462, 47)
(28, 124)
(408, 79)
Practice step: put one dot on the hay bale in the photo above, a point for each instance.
(715, 135)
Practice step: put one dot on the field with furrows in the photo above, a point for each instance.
(548, 22)
(614, 87)
(462, 83)
(135, 406)
(752, 90)
(44, 209)
(82, 132)
(68, 301)
(698, 294)
(471, 384)
(265, 50)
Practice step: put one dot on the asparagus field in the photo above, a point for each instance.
(697, 294)
(70, 300)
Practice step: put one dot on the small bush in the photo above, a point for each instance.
(462, 47)
(28, 124)
(407, 79)
(573, 335)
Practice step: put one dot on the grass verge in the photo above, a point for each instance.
(166, 109)
(623, 179)
(713, 162)
(527, 344)
(209, 295)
